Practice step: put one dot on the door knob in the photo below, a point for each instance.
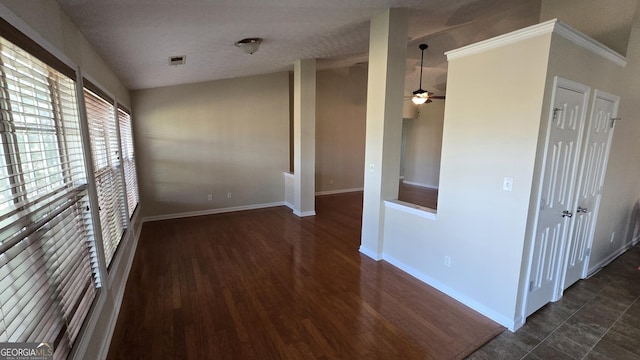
(566, 213)
(581, 209)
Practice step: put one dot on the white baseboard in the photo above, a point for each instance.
(288, 204)
(509, 323)
(414, 183)
(370, 253)
(304, 213)
(211, 211)
(341, 191)
(606, 261)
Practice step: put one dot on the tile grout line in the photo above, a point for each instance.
(611, 327)
(564, 322)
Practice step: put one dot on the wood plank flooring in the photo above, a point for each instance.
(264, 284)
(418, 195)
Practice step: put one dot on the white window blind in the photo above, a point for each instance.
(128, 160)
(48, 275)
(106, 161)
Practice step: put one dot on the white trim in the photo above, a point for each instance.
(414, 183)
(288, 204)
(602, 95)
(502, 40)
(32, 34)
(119, 296)
(558, 82)
(299, 213)
(341, 191)
(551, 26)
(590, 44)
(116, 293)
(370, 253)
(409, 208)
(211, 211)
(511, 324)
(97, 84)
(79, 349)
(606, 261)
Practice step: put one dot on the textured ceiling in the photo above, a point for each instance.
(136, 37)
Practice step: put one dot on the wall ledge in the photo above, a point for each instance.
(413, 209)
(415, 183)
(339, 191)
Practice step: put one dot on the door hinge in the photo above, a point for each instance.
(530, 285)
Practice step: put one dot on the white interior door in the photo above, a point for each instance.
(591, 179)
(562, 149)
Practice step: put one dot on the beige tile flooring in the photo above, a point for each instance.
(597, 318)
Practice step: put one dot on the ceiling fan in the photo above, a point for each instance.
(422, 96)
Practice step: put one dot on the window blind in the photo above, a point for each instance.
(106, 161)
(48, 275)
(128, 160)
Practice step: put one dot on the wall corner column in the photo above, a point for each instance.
(387, 63)
(304, 137)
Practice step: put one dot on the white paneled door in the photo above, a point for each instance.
(591, 179)
(562, 150)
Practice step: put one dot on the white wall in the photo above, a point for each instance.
(485, 230)
(424, 145)
(607, 21)
(480, 226)
(216, 137)
(50, 23)
(340, 128)
(611, 22)
(621, 190)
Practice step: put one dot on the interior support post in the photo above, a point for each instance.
(387, 63)
(304, 137)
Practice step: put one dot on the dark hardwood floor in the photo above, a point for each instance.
(418, 195)
(264, 284)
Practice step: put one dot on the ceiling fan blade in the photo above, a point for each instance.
(440, 97)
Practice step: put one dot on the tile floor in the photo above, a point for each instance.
(597, 318)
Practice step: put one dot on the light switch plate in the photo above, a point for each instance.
(507, 184)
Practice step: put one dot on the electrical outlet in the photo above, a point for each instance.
(228, 195)
(210, 197)
(447, 261)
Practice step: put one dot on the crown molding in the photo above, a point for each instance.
(552, 26)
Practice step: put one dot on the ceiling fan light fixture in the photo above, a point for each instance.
(421, 96)
(249, 45)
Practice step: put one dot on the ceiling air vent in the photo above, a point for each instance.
(177, 60)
